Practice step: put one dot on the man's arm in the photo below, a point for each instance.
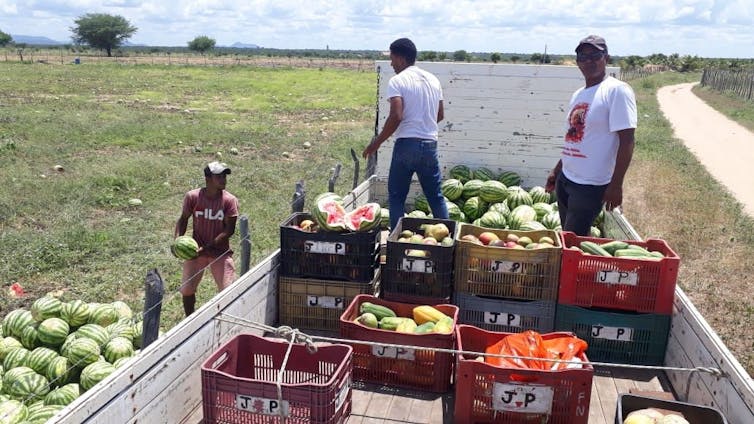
(614, 194)
(553, 176)
(228, 229)
(440, 112)
(391, 124)
(181, 224)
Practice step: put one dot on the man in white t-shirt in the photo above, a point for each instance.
(416, 107)
(599, 142)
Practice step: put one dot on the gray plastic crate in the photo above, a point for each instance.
(509, 316)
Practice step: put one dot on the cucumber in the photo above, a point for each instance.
(594, 249)
(391, 323)
(635, 254)
(612, 246)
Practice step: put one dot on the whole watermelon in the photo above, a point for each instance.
(63, 395)
(40, 358)
(12, 411)
(452, 188)
(117, 348)
(462, 173)
(94, 373)
(75, 313)
(184, 247)
(53, 331)
(45, 307)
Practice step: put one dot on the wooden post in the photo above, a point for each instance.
(355, 169)
(333, 178)
(299, 197)
(154, 288)
(245, 244)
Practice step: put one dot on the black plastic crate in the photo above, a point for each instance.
(349, 256)
(628, 403)
(412, 279)
(505, 315)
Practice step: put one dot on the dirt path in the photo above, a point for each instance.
(723, 146)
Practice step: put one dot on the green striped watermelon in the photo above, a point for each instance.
(43, 414)
(75, 313)
(551, 220)
(539, 195)
(53, 331)
(30, 337)
(493, 191)
(124, 311)
(454, 212)
(28, 386)
(118, 347)
(542, 209)
(328, 213)
(474, 207)
(122, 328)
(554, 206)
(45, 307)
(82, 352)
(13, 412)
(35, 405)
(521, 215)
(15, 358)
(518, 196)
(420, 203)
(462, 173)
(103, 315)
(40, 358)
(15, 373)
(60, 371)
(416, 214)
(63, 395)
(509, 178)
(501, 207)
(484, 174)
(532, 226)
(452, 188)
(94, 373)
(184, 247)
(138, 329)
(7, 344)
(94, 332)
(16, 321)
(120, 361)
(471, 188)
(492, 219)
(385, 218)
(595, 232)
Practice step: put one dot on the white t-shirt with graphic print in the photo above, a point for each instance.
(421, 93)
(595, 116)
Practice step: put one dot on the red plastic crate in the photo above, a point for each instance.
(239, 382)
(487, 393)
(635, 285)
(419, 369)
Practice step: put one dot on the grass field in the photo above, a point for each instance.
(146, 131)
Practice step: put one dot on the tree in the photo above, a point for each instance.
(201, 44)
(495, 57)
(515, 58)
(5, 39)
(460, 56)
(428, 56)
(102, 31)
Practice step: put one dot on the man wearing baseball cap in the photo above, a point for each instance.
(214, 212)
(599, 142)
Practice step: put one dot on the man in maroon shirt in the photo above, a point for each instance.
(214, 213)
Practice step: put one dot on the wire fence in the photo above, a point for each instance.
(738, 83)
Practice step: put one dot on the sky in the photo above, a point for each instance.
(704, 28)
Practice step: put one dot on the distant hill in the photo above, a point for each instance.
(239, 45)
(32, 39)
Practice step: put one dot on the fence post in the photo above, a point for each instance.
(299, 197)
(333, 178)
(154, 288)
(245, 244)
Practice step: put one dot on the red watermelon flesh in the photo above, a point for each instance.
(363, 218)
(331, 214)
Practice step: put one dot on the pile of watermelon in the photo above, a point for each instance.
(57, 350)
(485, 199)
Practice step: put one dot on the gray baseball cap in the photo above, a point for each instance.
(216, 168)
(593, 40)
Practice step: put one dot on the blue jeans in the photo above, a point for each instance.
(578, 204)
(415, 155)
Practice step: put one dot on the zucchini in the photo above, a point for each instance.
(594, 249)
(391, 323)
(635, 254)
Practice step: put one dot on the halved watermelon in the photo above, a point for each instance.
(363, 218)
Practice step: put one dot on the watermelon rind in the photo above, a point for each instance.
(94, 373)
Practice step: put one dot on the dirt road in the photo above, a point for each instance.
(723, 146)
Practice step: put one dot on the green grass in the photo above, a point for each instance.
(670, 195)
(122, 132)
(734, 107)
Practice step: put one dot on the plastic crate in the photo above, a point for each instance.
(555, 397)
(421, 280)
(511, 316)
(352, 256)
(617, 336)
(637, 285)
(628, 403)
(239, 382)
(526, 274)
(419, 369)
(318, 304)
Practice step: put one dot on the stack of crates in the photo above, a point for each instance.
(322, 272)
(506, 289)
(418, 273)
(621, 306)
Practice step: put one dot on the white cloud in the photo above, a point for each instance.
(631, 27)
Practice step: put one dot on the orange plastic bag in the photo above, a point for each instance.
(531, 344)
